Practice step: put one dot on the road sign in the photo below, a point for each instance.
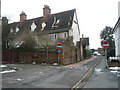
(59, 51)
(105, 44)
(59, 46)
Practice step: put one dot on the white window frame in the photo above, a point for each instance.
(65, 35)
(53, 36)
(33, 27)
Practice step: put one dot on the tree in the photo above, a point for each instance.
(28, 42)
(44, 42)
(5, 33)
(23, 41)
(107, 34)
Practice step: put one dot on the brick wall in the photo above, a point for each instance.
(66, 57)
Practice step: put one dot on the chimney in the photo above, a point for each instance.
(23, 16)
(4, 20)
(46, 12)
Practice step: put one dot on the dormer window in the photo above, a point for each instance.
(58, 21)
(54, 23)
(68, 23)
(17, 29)
(11, 30)
(43, 25)
(33, 26)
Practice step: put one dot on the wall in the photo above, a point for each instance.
(70, 55)
(66, 57)
(117, 41)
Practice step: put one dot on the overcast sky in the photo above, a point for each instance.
(93, 15)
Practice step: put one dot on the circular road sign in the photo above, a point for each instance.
(59, 46)
(105, 44)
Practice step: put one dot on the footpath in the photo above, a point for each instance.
(78, 63)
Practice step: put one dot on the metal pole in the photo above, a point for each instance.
(47, 55)
(106, 53)
(58, 57)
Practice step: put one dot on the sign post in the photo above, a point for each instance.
(59, 48)
(105, 45)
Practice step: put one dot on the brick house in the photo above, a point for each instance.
(59, 26)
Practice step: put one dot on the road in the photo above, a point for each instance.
(103, 77)
(47, 76)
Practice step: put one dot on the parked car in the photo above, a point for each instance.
(113, 62)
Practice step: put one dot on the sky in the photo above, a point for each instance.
(93, 15)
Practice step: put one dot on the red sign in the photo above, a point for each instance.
(59, 46)
(105, 44)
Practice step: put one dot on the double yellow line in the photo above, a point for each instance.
(86, 75)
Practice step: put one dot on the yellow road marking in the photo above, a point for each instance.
(86, 75)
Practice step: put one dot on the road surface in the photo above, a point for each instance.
(47, 76)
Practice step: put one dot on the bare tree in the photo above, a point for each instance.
(44, 41)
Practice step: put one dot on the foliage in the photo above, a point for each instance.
(107, 34)
(87, 53)
(5, 33)
(43, 41)
(29, 42)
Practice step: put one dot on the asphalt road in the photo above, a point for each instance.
(47, 76)
(103, 77)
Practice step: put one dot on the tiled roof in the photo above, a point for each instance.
(58, 21)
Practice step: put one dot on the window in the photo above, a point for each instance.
(17, 29)
(55, 23)
(33, 26)
(53, 36)
(11, 30)
(43, 25)
(65, 34)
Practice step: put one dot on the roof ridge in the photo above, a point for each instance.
(64, 11)
(42, 16)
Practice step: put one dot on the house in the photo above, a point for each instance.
(83, 44)
(117, 37)
(59, 26)
(117, 33)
